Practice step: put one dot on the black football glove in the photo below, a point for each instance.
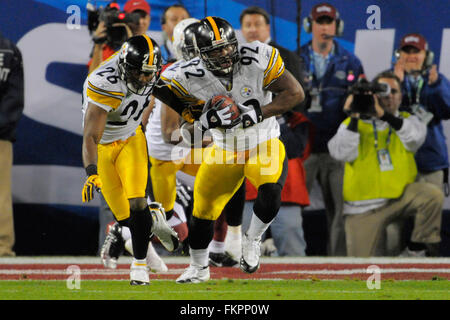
(250, 115)
(213, 117)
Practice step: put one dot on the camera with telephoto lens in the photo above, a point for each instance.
(363, 91)
(111, 15)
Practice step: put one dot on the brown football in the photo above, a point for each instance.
(228, 101)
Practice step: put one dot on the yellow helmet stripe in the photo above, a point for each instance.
(214, 27)
(150, 49)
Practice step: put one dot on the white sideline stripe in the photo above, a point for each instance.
(177, 271)
(56, 272)
(357, 271)
(83, 272)
(185, 260)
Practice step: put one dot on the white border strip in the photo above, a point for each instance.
(185, 260)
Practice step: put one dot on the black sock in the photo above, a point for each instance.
(140, 223)
(268, 202)
(235, 207)
(201, 233)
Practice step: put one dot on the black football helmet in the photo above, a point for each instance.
(189, 47)
(140, 64)
(218, 45)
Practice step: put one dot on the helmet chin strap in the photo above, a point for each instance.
(227, 79)
(142, 91)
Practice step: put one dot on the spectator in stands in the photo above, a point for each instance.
(11, 108)
(169, 19)
(331, 70)
(426, 93)
(103, 50)
(380, 173)
(286, 231)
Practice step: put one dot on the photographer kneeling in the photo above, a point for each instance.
(377, 143)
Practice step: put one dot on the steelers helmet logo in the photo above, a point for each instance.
(246, 92)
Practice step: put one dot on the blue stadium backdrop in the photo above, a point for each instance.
(55, 43)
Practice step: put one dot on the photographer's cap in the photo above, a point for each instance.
(415, 40)
(323, 10)
(133, 5)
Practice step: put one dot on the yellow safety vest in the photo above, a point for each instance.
(363, 179)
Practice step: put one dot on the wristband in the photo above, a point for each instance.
(99, 40)
(353, 125)
(91, 170)
(395, 122)
(259, 115)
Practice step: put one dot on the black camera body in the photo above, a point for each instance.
(363, 91)
(116, 35)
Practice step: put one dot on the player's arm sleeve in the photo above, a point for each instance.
(105, 99)
(275, 66)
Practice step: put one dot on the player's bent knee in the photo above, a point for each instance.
(268, 201)
(434, 194)
(207, 214)
(137, 204)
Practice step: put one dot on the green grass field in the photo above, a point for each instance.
(226, 290)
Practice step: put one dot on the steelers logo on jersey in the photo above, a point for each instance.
(246, 92)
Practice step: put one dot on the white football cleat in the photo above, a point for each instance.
(154, 262)
(112, 247)
(160, 228)
(251, 251)
(194, 274)
(139, 274)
